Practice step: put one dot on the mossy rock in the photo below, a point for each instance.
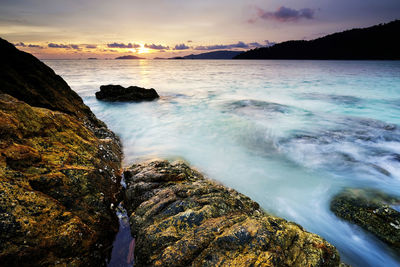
(371, 210)
(57, 183)
(180, 218)
(59, 170)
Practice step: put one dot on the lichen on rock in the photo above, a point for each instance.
(371, 210)
(59, 170)
(180, 218)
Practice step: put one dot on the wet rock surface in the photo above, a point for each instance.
(179, 218)
(59, 170)
(115, 93)
(371, 210)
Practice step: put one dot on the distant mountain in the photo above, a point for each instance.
(377, 42)
(223, 54)
(129, 57)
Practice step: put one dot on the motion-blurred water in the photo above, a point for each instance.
(289, 134)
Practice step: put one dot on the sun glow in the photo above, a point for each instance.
(141, 50)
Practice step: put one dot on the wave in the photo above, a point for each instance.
(335, 99)
(259, 105)
(353, 143)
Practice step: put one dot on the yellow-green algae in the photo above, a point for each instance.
(57, 183)
(370, 209)
(179, 218)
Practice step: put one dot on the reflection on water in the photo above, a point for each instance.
(122, 254)
(289, 134)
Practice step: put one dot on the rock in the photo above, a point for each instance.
(28, 79)
(59, 170)
(131, 93)
(179, 218)
(371, 210)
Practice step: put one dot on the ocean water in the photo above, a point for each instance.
(289, 134)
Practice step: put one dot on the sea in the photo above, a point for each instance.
(289, 134)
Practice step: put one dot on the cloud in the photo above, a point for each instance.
(156, 47)
(109, 50)
(239, 44)
(70, 46)
(21, 44)
(35, 46)
(255, 44)
(285, 14)
(53, 45)
(269, 43)
(122, 45)
(181, 47)
(91, 46)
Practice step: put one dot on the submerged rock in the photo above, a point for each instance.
(371, 210)
(179, 218)
(259, 105)
(131, 93)
(59, 170)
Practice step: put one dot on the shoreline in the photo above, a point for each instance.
(28, 157)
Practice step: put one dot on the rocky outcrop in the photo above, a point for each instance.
(28, 79)
(179, 218)
(371, 210)
(59, 170)
(131, 93)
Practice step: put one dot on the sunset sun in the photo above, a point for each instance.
(141, 50)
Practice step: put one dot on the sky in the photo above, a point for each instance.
(168, 28)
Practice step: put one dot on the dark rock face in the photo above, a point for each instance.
(370, 209)
(59, 170)
(131, 93)
(179, 218)
(28, 79)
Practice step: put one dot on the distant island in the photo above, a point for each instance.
(374, 43)
(129, 57)
(222, 54)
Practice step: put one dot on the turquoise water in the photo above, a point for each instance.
(289, 134)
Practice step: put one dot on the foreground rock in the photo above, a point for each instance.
(179, 218)
(370, 209)
(131, 93)
(59, 170)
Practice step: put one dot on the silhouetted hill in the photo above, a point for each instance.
(129, 57)
(223, 54)
(376, 42)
